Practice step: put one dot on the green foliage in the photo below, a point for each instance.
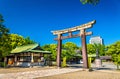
(52, 48)
(94, 2)
(89, 61)
(28, 41)
(10, 41)
(92, 59)
(114, 51)
(18, 40)
(64, 62)
(54, 63)
(3, 29)
(4, 39)
(91, 49)
(69, 50)
(1, 19)
(101, 49)
(5, 47)
(3, 64)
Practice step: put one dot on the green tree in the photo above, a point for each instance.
(69, 50)
(91, 49)
(92, 52)
(3, 30)
(94, 2)
(64, 64)
(18, 40)
(101, 49)
(4, 40)
(28, 41)
(52, 48)
(114, 51)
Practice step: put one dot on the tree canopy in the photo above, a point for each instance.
(10, 41)
(94, 2)
(52, 48)
(91, 49)
(68, 50)
(114, 51)
(4, 38)
(18, 40)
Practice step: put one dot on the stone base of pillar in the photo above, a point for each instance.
(88, 70)
(98, 63)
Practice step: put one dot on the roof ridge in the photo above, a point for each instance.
(24, 48)
(27, 45)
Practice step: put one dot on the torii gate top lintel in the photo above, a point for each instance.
(80, 27)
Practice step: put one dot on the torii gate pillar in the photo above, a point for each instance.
(84, 49)
(59, 48)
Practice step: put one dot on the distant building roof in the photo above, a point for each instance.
(105, 57)
(28, 48)
(89, 55)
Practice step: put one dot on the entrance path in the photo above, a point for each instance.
(37, 73)
(30, 73)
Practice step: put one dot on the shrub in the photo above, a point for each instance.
(64, 62)
(2, 64)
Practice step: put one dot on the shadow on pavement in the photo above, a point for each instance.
(75, 66)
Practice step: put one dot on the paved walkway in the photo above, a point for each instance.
(37, 73)
(107, 67)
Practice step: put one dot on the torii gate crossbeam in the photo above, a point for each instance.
(82, 34)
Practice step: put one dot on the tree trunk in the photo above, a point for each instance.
(5, 61)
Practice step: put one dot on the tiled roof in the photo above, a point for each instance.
(27, 48)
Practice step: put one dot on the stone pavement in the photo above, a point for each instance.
(37, 73)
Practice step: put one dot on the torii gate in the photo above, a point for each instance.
(82, 34)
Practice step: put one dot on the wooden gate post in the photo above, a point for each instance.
(84, 49)
(59, 48)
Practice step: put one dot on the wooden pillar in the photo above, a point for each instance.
(32, 60)
(59, 48)
(15, 63)
(84, 49)
(15, 58)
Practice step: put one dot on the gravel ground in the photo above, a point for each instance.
(21, 69)
(107, 71)
(85, 75)
(36, 73)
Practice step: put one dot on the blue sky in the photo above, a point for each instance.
(37, 18)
